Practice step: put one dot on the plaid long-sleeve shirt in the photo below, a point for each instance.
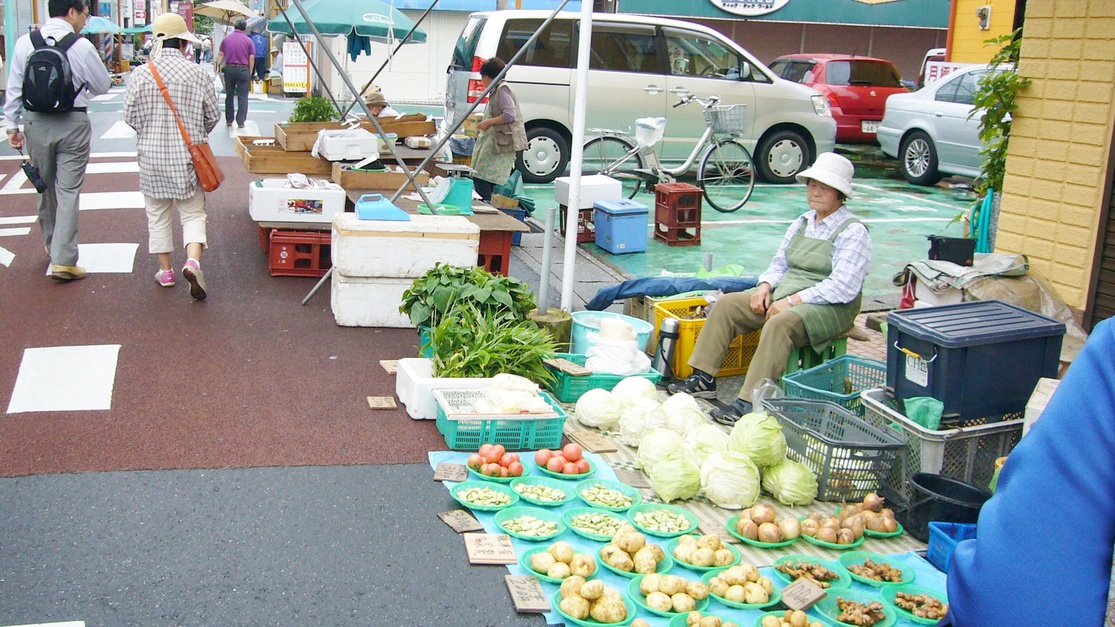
(165, 168)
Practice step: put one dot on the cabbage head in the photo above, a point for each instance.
(758, 436)
(635, 387)
(792, 483)
(656, 445)
(731, 480)
(633, 419)
(679, 413)
(704, 441)
(676, 477)
(598, 408)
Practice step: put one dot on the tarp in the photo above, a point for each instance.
(667, 286)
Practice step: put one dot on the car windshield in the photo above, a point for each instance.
(862, 74)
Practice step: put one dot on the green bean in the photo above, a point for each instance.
(599, 524)
(540, 492)
(606, 497)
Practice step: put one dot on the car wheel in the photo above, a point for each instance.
(918, 158)
(781, 156)
(546, 155)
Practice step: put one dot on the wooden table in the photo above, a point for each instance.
(496, 228)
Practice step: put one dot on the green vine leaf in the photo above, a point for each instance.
(995, 104)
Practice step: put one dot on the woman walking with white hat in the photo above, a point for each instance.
(808, 295)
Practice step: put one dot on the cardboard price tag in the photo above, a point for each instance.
(381, 402)
(802, 594)
(460, 521)
(592, 441)
(568, 367)
(633, 478)
(450, 472)
(489, 548)
(526, 594)
(715, 527)
(390, 365)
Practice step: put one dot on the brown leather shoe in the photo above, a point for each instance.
(65, 274)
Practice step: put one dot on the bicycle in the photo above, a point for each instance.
(726, 174)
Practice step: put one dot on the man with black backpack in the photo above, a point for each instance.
(53, 73)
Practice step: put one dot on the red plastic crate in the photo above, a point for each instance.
(265, 239)
(299, 253)
(495, 251)
(586, 228)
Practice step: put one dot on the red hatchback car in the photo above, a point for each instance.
(857, 88)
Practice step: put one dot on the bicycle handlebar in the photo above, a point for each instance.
(705, 103)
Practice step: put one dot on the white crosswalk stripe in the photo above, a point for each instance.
(119, 130)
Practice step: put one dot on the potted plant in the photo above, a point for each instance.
(313, 109)
(310, 115)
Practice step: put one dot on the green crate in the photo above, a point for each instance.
(466, 431)
(839, 380)
(568, 388)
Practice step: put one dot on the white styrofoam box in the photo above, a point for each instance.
(415, 384)
(593, 188)
(402, 249)
(1043, 391)
(369, 302)
(273, 200)
(346, 144)
(923, 294)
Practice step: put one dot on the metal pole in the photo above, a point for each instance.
(543, 298)
(580, 107)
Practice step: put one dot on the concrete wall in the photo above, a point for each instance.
(1060, 141)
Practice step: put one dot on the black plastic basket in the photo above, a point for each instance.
(849, 457)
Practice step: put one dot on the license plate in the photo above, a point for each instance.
(869, 126)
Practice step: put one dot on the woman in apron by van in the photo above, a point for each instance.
(501, 135)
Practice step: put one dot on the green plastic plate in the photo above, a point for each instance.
(550, 483)
(475, 475)
(664, 566)
(627, 491)
(569, 514)
(775, 596)
(888, 592)
(651, 507)
(456, 491)
(855, 558)
(733, 524)
(672, 544)
(827, 608)
(636, 595)
(511, 513)
(884, 534)
(565, 477)
(524, 561)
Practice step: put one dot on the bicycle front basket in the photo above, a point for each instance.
(727, 119)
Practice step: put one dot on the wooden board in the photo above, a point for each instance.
(275, 160)
(300, 136)
(374, 180)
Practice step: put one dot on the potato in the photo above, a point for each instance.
(617, 558)
(582, 565)
(697, 590)
(577, 607)
(571, 587)
(750, 572)
(650, 583)
(660, 601)
(638, 622)
(692, 618)
(710, 541)
(558, 570)
(671, 584)
(593, 590)
(630, 542)
(735, 576)
(684, 552)
(657, 551)
(767, 584)
(645, 562)
(722, 557)
(541, 562)
(687, 540)
(770, 621)
(718, 586)
(562, 551)
(683, 602)
(710, 621)
(703, 557)
(735, 594)
(798, 618)
(754, 594)
(609, 609)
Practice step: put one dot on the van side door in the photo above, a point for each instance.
(624, 81)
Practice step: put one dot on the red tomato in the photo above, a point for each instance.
(515, 469)
(503, 472)
(515, 457)
(555, 464)
(507, 459)
(492, 470)
(570, 468)
(571, 452)
(492, 458)
(475, 461)
(543, 456)
(582, 466)
(498, 450)
(485, 450)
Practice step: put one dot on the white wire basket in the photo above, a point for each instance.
(727, 119)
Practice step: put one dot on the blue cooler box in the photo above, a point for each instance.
(981, 359)
(621, 226)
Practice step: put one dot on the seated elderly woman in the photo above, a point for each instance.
(808, 295)
(377, 104)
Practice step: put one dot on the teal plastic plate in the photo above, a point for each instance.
(645, 508)
(672, 544)
(546, 481)
(888, 593)
(475, 475)
(456, 491)
(679, 620)
(856, 558)
(883, 534)
(775, 596)
(664, 566)
(589, 622)
(827, 609)
(833, 545)
(569, 514)
(843, 580)
(524, 561)
(511, 513)
(636, 595)
(565, 477)
(733, 524)
(627, 491)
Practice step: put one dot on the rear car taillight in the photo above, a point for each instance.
(475, 88)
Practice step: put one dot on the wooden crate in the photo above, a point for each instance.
(275, 160)
(300, 136)
(350, 179)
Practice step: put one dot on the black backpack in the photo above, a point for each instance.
(48, 85)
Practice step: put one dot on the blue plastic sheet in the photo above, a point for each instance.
(667, 286)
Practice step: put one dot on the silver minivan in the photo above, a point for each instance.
(640, 67)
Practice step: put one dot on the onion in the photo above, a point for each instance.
(769, 532)
(873, 502)
(826, 534)
(845, 537)
(791, 528)
(887, 513)
(809, 527)
(748, 529)
(890, 525)
(876, 523)
(763, 513)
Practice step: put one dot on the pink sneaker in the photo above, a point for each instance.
(165, 278)
(192, 272)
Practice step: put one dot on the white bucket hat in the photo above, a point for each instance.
(832, 170)
(171, 26)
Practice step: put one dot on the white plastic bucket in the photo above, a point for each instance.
(585, 321)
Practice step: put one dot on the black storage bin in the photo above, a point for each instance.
(981, 359)
(959, 250)
(939, 499)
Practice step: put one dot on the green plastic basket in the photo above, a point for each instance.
(568, 388)
(839, 380)
(465, 430)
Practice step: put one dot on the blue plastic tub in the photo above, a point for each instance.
(521, 216)
(585, 321)
(621, 226)
(943, 538)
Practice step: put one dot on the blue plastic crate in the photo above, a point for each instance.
(521, 216)
(621, 226)
(943, 538)
(839, 380)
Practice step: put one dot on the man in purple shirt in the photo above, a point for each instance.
(236, 60)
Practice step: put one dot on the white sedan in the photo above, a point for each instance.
(931, 131)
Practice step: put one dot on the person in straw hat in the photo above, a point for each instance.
(808, 295)
(166, 172)
(377, 104)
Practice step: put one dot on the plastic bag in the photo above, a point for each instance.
(925, 410)
(767, 388)
(619, 357)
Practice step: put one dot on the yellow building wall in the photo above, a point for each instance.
(1060, 141)
(968, 40)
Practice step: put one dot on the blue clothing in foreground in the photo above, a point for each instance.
(1016, 574)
